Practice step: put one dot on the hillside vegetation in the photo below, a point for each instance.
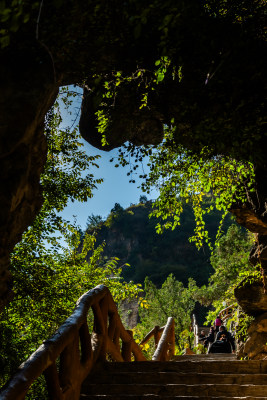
(131, 236)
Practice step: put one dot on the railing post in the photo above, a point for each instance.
(126, 350)
(165, 348)
(112, 326)
(104, 305)
(156, 335)
(69, 369)
(172, 341)
(100, 331)
(52, 382)
(86, 346)
(195, 330)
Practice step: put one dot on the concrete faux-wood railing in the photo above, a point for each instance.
(68, 357)
(164, 340)
(227, 312)
(195, 329)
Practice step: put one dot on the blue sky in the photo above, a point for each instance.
(115, 188)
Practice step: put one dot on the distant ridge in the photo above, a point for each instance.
(130, 235)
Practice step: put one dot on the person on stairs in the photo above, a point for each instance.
(224, 342)
(209, 339)
(221, 346)
(217, 323)
(201, 336)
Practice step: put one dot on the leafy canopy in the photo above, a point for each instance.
(230, 261)
(182, 177)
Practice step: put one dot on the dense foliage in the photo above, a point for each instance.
(183, 177)
(231, 268)
(203, 180)
(230, 262)
(171, 300)
(131, 235)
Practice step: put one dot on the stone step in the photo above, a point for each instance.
(186, 366)
(175, 378)
(186, 378)
(156, 397)
(205, 390)
(206, 357)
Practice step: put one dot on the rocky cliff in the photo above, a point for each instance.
(131, 236)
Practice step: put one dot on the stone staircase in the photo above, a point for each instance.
(211, 376)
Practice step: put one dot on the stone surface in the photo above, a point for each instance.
(26, 94)
(259, 324)
(129, 313)
(255, 346)
(258, 254)
(188, 377)
(248, 218)
(252, 298)
(129, 123)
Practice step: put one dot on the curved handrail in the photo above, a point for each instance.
(164, 340)
(76, 349)
(226, 312)
(156, 333)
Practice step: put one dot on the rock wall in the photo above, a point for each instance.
(256, 345)
(27, 90)
(252, 296)
(129, 313)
